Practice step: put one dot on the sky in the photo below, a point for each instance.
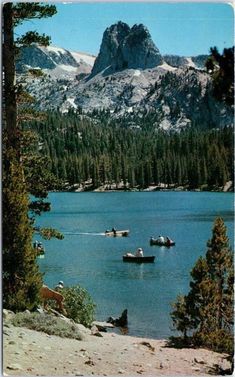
(184, 28)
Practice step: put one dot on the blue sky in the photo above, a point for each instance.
(176, 28)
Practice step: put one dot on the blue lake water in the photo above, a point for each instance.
(88, 258)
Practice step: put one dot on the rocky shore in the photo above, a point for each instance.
(87, 186)
(32, 353)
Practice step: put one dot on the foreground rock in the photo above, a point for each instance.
(27, 352)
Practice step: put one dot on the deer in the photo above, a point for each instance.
(49, 294)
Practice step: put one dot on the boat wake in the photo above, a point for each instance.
(83, 233)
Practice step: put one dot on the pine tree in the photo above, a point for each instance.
(21, 277)
(221, 66)
(208, 307)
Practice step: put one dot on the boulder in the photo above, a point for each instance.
(7, 314)
(121, 321)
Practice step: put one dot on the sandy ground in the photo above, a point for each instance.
(31, 353)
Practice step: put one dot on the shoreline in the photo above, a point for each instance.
(32, 353)
(87, 187)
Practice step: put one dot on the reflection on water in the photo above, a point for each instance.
(88, 258)
(226, 215)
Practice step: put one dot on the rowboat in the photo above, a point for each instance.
(155, 241)
(134, 259)
(40, 249)
(117, 233)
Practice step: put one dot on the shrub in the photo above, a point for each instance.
(218, 341)
(47, 323)
(79, 305)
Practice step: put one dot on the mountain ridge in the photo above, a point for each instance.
(128, 78)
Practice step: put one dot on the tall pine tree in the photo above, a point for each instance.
(21, 277)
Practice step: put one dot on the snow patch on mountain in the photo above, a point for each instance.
(68, 68)
(57, 62)
(68, 104)
(137, 73)
(54, 49)
(83, 57)
(191, 63)
(167, 67)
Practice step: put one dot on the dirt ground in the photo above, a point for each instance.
(31, 353)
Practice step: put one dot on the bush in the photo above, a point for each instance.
(218, 341)
(79, 305)
(47, 323)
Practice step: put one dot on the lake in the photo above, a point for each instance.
(88, 258)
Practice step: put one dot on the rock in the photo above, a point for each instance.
(199, 361)
(122, 84)
(123, 47)
(14, 366)
(40, 310)
(121, 321)
(89, 362)
(121, 371)
(147, 344)
(196, 369)
(138, 50)
(98, 334)
(228, 186)
(113, 38)
(84, 330)
(102, 325)
(7, 314)
(95, 331)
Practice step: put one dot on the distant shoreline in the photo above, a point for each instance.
(87, 187)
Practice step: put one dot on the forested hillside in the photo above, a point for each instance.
(108, 152)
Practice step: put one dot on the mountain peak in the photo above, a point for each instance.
(123, 47)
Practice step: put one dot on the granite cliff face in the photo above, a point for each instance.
(123, 47)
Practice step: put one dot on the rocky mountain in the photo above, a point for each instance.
(129, 78)
(123, 48)
(182, 61)
(54, 61)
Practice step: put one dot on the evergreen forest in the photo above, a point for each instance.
(81, 148)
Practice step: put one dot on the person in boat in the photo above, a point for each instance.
(114, 230)
(161, 239)
(168, 241)
(139, 252)
(59, 286)
(35, 244)
(40, 247)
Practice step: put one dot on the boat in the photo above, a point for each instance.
(117, 233)
(155, 241)
(39, 248)
(133, 259)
